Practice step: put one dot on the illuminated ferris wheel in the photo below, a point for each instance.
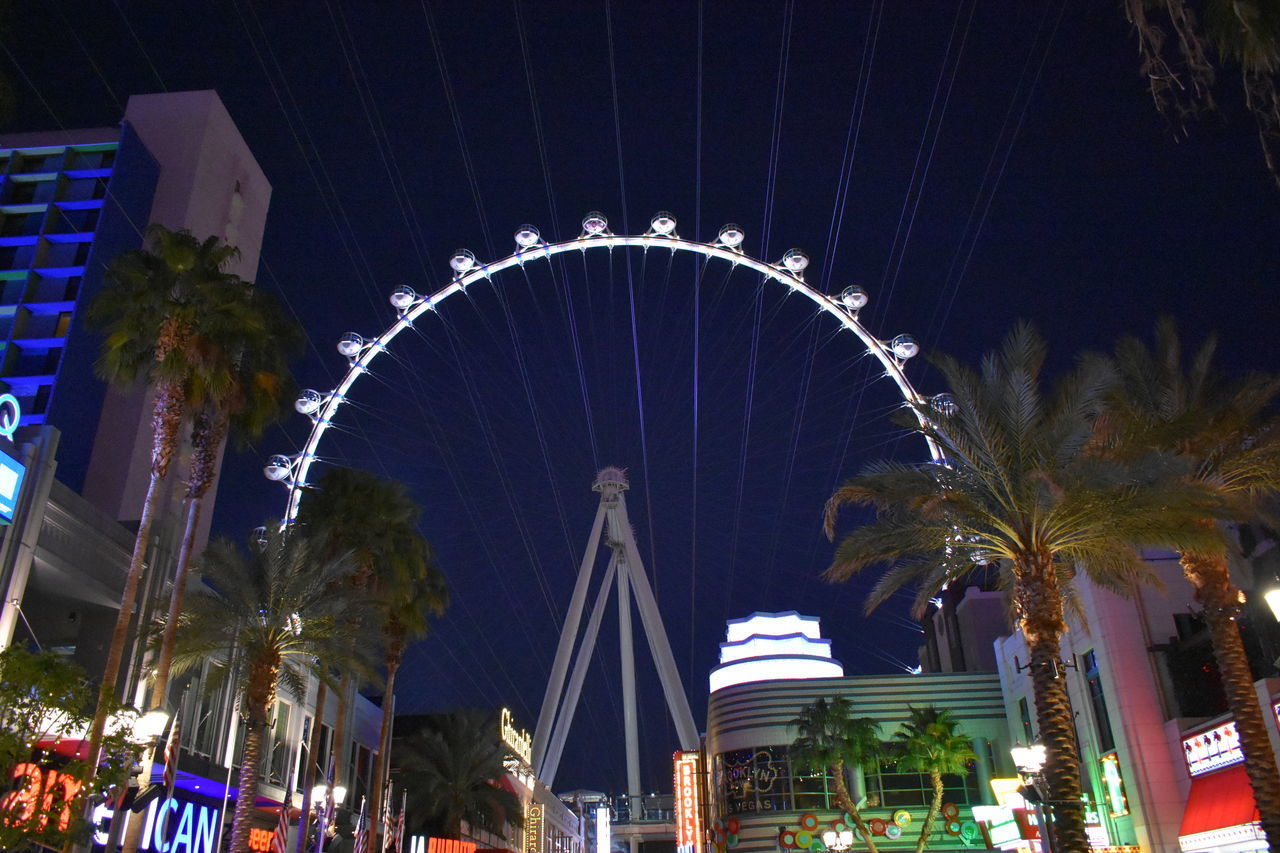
(360, 352)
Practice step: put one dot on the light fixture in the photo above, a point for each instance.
(350, 344)
(308, 401)
(795, 260)
(904, 346)
(732, 236)
(854, 297)
(150, 726)
(527, 237)
(944, 404)
(1028, 759)
(403, 297)
(663, 223)
(1272, 597)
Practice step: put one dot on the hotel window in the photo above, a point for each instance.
(1106, 739)
(1024, 714)
(276, 766)
(897, 787)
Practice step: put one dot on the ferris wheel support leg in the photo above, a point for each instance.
(659, 645)
(580, 665)
(630, 718)
(564, 650)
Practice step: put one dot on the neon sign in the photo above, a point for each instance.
(1117, 802)
(533, 829)
(10, 415)
(604, 834)
(1213, 749)
(520, 741)
(35, 797)
(172, 826)
(260, 839)
(688, 812)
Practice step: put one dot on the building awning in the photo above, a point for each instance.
(1220, 810)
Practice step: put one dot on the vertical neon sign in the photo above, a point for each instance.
(688, 808)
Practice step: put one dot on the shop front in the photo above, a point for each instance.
(1221, 815)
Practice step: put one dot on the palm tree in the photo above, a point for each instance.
(1020, 488)
(160, 309)
(1244, 33)
(377, 521)
(831, 739)
(929, 743)
(449, 768)
(259, 384)
(275, 609)
(1229, 432)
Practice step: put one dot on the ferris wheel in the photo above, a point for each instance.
(291, 470)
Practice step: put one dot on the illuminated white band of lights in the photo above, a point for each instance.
(324, 415)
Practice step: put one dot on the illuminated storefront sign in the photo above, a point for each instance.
(604, 834)
(423, 844)
(10, 415)
(38, 792)
(260, 839)
(1117, 802)
(173, 826)
(688, 813)
(533, 829)
(1210, 750)
(520, 741)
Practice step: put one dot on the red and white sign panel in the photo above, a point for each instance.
(688, 809)
(1210, 750)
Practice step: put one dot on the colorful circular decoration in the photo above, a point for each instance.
(877, 826)
(838, 825)
(809, 821)
(902, 817)
(732, 839)
(950, 811)
(732, 826)
(893, 831)
(953, 827)
(718, 825)
(787, 839)
(818, 846)
(969, 830)
(848, 819)
(719, 839)
(803, 839)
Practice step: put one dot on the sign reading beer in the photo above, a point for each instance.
(519, 740)
(688, 811)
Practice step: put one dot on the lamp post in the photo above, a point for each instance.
(1030, 762)
(321, 793)
(145, 731)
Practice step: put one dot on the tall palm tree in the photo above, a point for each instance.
(260, 384)
(275, 608)
(1229, 431)
(449, 768)
(929, 743)
(1208, 36)
(377, 522)
(829, 738)
(1020, 488)
(160, 309)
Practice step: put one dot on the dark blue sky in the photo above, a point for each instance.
(1005, 162)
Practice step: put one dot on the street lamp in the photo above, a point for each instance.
(1030, 762)
(319, 792)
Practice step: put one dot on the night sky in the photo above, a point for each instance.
(969, 164)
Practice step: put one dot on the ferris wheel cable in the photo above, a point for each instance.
(330, 198)
(539, 432)
(128, 25)
(736, 525)
(937, 133)
(1022, 115)
(539, 136)
(97, 70)
(490, 442)
(446, 81)
(382, 139)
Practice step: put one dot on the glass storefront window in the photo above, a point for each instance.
(754, 780)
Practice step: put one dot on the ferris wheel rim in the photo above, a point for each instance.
(321, 407)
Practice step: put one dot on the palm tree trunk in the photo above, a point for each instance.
(1221, 599)
(247, 783)
(340, 734)
(309, 773)
(935, 809)
(384, 745)
(166, 418)
(846, 802)
(1039, 603)
(207, 437)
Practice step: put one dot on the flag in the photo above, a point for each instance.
(362, 838)
(280, 841)
(386, 817)
(399, 838)
(171, 750)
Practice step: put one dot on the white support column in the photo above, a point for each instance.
(659, 645)
(564, 650)
(630, 718)
(581, 663)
